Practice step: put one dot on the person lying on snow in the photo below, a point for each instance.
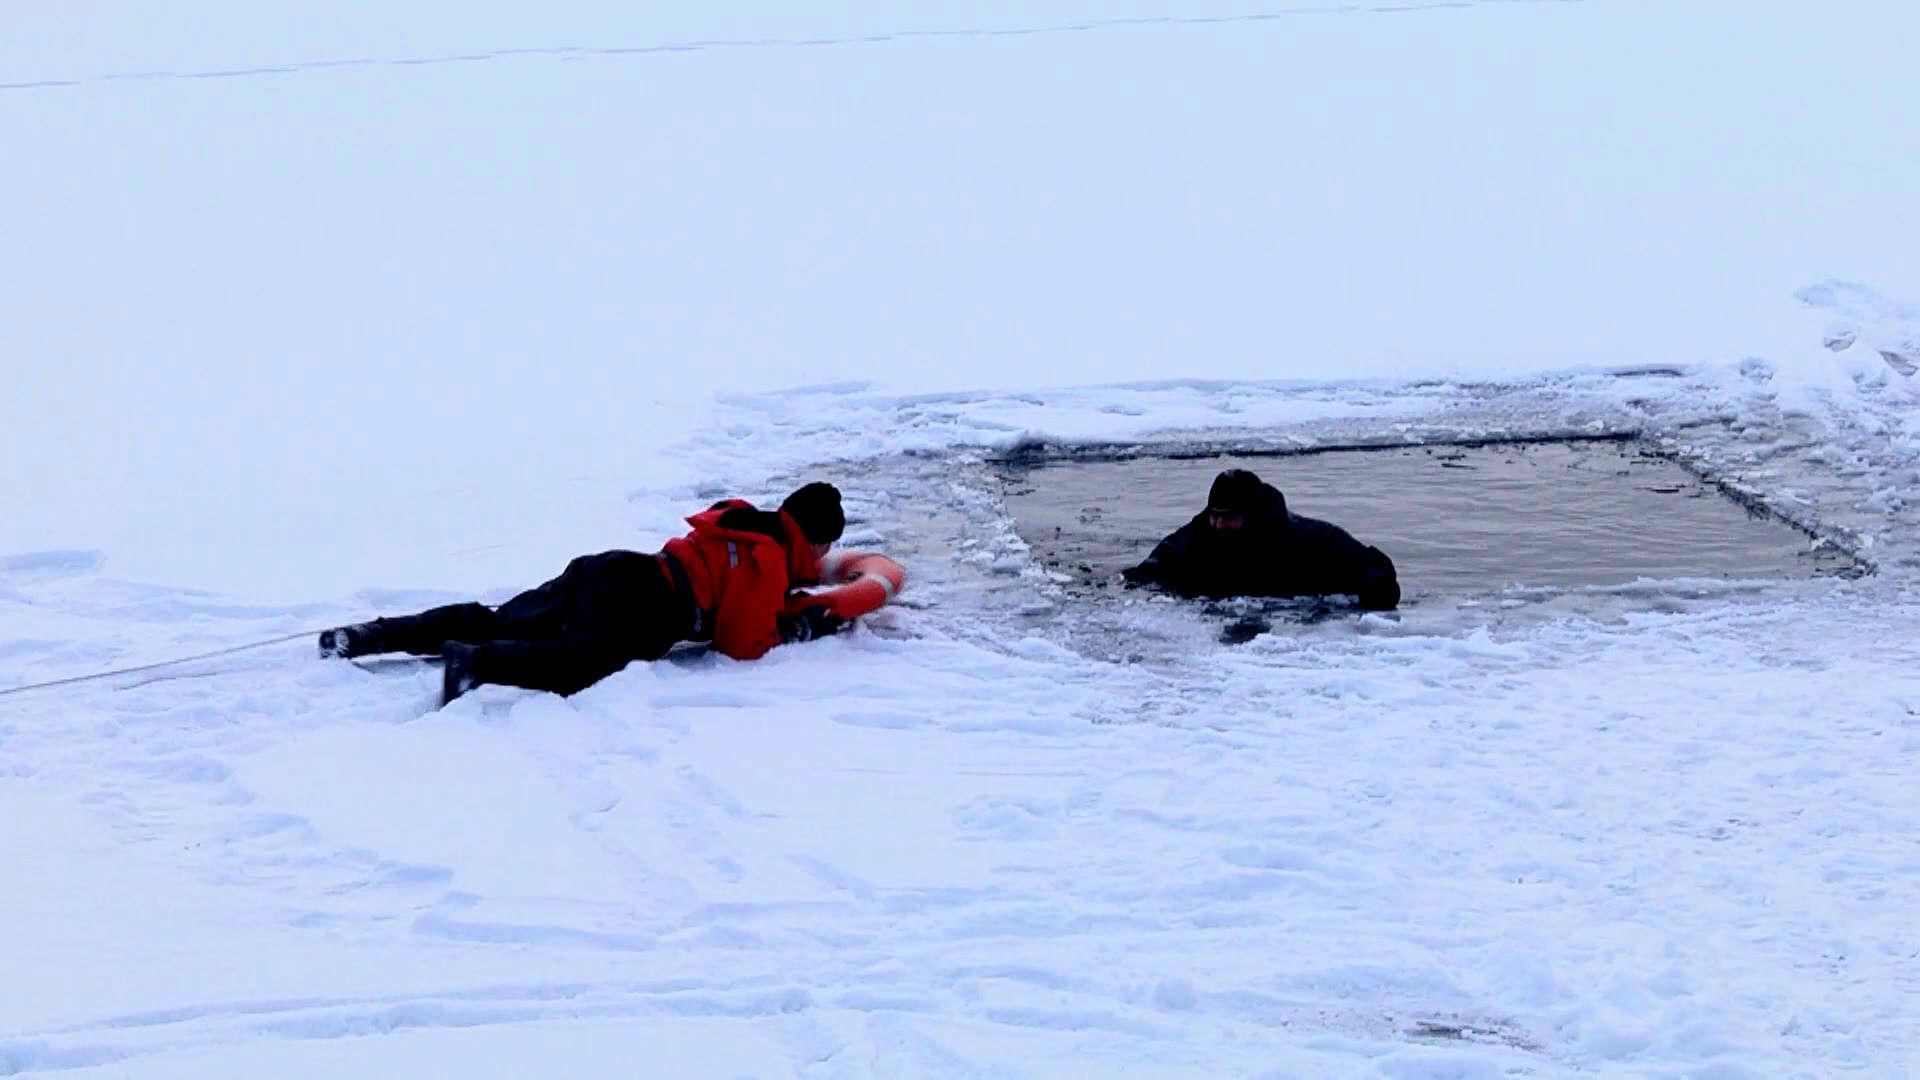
(1246, 543)
(726, 582)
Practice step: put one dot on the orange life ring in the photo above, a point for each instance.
(857, 582)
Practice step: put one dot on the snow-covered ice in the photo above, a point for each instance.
(304, 319)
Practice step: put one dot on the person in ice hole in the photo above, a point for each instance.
(1246, 543)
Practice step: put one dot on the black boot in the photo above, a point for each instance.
(456, 675)
(347, 642)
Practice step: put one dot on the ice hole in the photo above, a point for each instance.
(1455, 519)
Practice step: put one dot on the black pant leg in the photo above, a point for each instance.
(601, 613)
(563, 666)
(540, 613)
(624, 602)
(605, 612)
(423, 634)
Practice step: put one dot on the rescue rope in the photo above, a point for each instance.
(98, 675)
(853, 39)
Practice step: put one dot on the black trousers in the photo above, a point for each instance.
(602, 613)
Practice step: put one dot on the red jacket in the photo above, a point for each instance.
(740, 563)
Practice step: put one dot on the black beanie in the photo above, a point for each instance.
(816, 507)
(1237, 491)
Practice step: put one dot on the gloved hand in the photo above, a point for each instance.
(1136, 576)
(814, 622)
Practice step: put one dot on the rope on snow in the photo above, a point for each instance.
(229, 651)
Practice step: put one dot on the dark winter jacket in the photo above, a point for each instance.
(1274, 553)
